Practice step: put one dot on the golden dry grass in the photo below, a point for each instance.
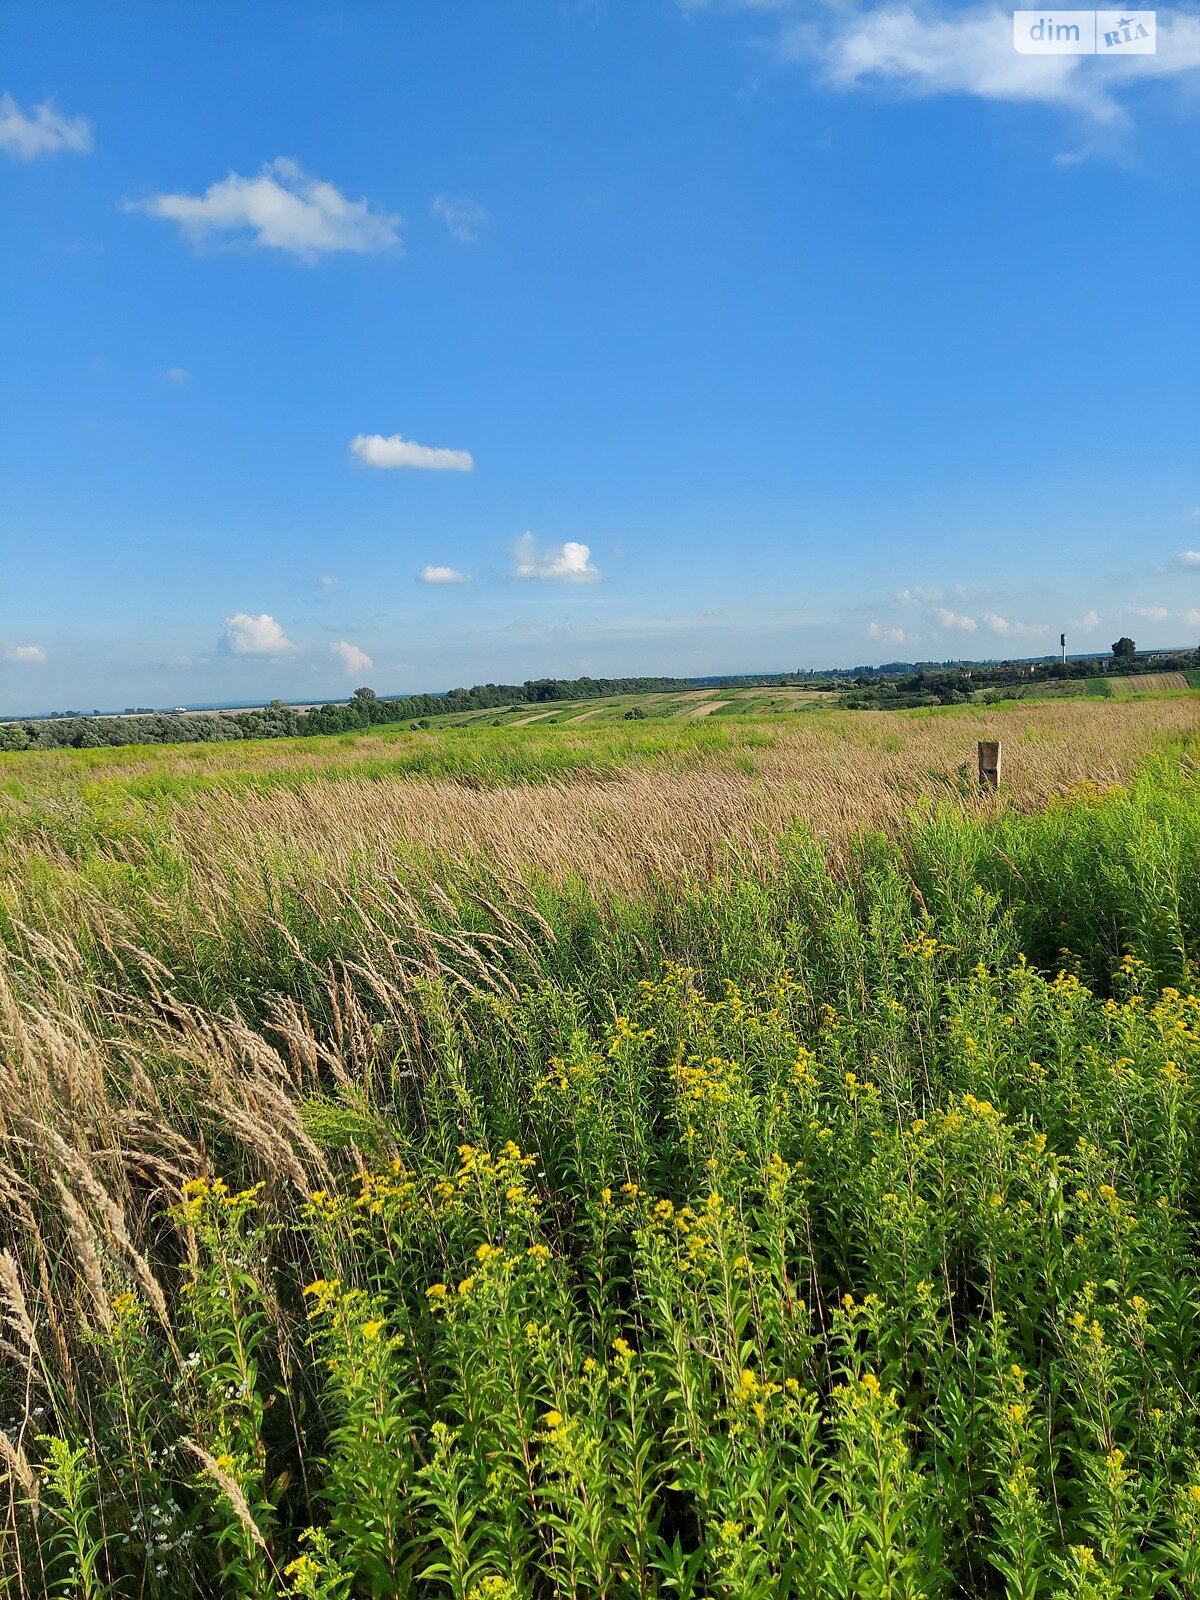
(652, 818)
(110, 898)
(662, 810)
(1148, 683)
(647, 821)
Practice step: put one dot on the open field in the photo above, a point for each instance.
(687, 704)
(1149, 683)
(1110, 686)
(712, 1156)
(1069, 689)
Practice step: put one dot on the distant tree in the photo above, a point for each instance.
(275, 721)
(1124, 649)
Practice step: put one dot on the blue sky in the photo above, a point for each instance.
(691, 338)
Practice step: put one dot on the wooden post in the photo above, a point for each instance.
(989, 764)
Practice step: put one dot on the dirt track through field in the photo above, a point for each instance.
(538, 716)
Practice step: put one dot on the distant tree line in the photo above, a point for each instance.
(919, 676)
(365, 709)
(955, 683)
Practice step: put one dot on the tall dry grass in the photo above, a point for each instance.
(280, 980)
(653, 823)
(666, 807)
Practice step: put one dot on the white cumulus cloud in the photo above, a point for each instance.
(280, 208)
(24, 653)
(44, 133)
(1190, 558)
(888, 635)
(953, 619)
(353, 659)
(255, 636)
(430, 574)
(925, 48)
(377, 451)
(465, 218)
(1089, 620)
(1150, 613)
(571, 561)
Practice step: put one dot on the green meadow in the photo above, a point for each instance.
(686, 1157)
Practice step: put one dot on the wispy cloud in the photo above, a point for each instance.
(327, 581)
(177, 375)
(24, 653)
(377, 451)
(1009, 629)
(570, 562)
(45, 133)
(280, 208)
(353, 659)
(924, 48)
(258, 635)
(430, 574)
(1161, 613)
(955, 620)
(1190, 617)
(464, 217)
